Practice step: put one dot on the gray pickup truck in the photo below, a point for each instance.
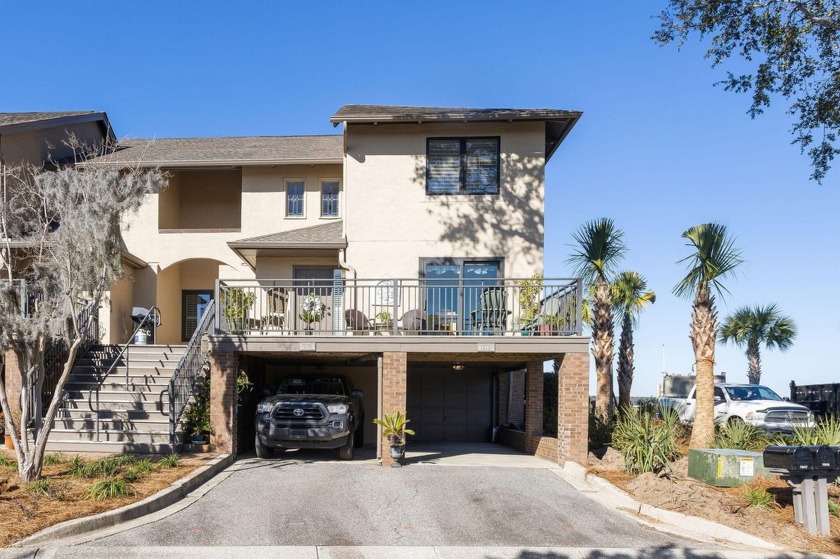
(311, 411)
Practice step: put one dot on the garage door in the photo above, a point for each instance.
(449, 405)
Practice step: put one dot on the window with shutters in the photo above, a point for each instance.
(462, 165)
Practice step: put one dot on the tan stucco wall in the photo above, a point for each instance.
(391, 223)
(117, 309)
(38, 146)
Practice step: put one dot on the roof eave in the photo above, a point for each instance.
(214, 163)
(56, 122)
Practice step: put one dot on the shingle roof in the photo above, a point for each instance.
(377, 113)
(7, 119)
(558, 123)
(254, 150)
(323, 235)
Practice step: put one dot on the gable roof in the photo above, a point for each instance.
(558, 122)
(304, 241)
(24, 122)
(210, 152)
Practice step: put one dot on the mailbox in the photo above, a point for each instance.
(790, 458)
(825, 458)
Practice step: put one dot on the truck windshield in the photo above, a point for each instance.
(738, 393)
(312, 385)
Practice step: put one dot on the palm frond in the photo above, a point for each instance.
(630, 295)
(714, 258)
(599, 248)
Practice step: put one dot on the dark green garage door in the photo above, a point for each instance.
(447, 405)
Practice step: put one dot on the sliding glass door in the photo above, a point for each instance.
(453, 291)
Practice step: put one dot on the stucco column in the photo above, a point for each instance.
(573, 407)
(223, 369)
(13, 382)
(394, 392)
(534, 377)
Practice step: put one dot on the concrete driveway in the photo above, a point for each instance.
(301, 500)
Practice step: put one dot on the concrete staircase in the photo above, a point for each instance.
(116, 417)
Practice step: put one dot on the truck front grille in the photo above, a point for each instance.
(305, 413)
(781, 416)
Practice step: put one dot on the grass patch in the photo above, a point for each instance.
(77, 466)
(170, 461)
(40, 487)
(110, 488)
(758, 497)
(6, 462)
(53, 459)
(104, 467)
(126, 459)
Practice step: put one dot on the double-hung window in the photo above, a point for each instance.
(329, 198)
(295, 198)
(462, 165)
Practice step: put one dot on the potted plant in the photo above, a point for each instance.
(394, 429)
(383, 321)
(530, 291)
(196, 419)
(235, 302)
(312, 309)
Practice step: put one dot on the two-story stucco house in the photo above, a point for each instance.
(415, 232)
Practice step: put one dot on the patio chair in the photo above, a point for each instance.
(413, 322)
(277, 298)
(492, 312)
(547, 320)
(356, 320)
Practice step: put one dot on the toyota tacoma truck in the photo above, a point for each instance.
(750, 403)
(311, 411)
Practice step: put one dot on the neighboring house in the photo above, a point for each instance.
(413, 231)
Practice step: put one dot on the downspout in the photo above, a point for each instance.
(379, 408)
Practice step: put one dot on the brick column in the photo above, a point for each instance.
(394, 392)
(223, 369)
(573, 407)
(13, 382)
(534, 399)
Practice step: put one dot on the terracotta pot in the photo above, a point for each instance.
(9, 444)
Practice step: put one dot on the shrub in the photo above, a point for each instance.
(138, 470)
(110, 488)
(126, 459)
(648, 443)
(104, 467)
(758, 497)
(833, 508)
(739, 435)
(40, 487)
(77, 466)
(826, 432)
(6, 462)
(170, 461)
(53, 459)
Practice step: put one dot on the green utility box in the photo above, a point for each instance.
(724, 467)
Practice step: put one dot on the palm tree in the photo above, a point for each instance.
(714, 258)
(754, 326)
(630, 297)
(599, 248)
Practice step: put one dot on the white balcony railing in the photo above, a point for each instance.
(399, 306)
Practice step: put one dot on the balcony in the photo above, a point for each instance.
(399, 307)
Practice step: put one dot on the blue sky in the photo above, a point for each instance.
(659, 149)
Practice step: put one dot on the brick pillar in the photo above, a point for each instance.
(223, 369)
(534, 399)
(573, 407)
(13, 382)
(394, 391)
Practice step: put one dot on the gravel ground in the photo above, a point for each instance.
(281, 502)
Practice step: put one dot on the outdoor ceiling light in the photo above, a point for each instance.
(458, 366)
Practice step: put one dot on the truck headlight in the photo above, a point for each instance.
(264, 407)
(338, 408)
(756, 415)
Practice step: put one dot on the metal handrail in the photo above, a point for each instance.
(184, 376)
(153, 313)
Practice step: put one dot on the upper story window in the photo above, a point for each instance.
(295, 199)
(329, 198)
(462, 165)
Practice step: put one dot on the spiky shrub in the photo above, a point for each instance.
(110, 488)
(648, 442)
(104, 467)
(126, 459)
(143, 466)
(758, 497)
(170, 461)
(741, 436)
(394, 427)
(826, 432)
(600, 429)
(77, 466)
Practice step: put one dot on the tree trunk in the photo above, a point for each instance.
(703, 335)
(602, 348)
(754, 362)
(625, 364)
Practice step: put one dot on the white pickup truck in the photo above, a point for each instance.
(751, 403)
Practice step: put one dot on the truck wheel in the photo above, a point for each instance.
(263, 451)
(735, 420)
(360, 436)
(346, 452)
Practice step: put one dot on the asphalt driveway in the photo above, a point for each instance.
(288, 502)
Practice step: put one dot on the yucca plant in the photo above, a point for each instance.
(826, 432)
(110, 488)
(170, 461)
(648, 443)
(758, 497)
(739, 435)
(394, 427)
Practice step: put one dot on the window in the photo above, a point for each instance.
(329, 198)
(295, 199)
(454, 287)
(193, 305)
(462, 166)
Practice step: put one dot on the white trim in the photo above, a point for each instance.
(286, 198)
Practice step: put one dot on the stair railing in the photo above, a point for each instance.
(182, 383)
(153, 313)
